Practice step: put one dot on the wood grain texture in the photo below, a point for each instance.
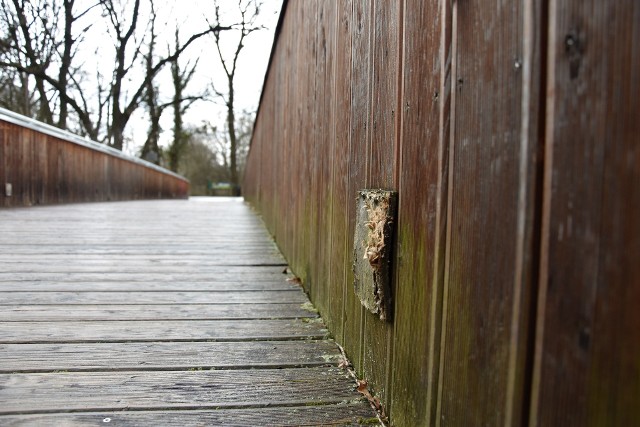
(174, 311)
(144, 298)
(588, 354)
(330, 414)
(161, 330)
(421, 211)
(360, 120)
(381, 172)
(144, 286)
(45, 169)
(132, 356)
(109, 391)
(482, 295)
(510, 131)
(340, 251)
(147, 322)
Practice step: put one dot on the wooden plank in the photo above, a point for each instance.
(46, 167)
(168, 286)
(382, 172)
(135, 276)
(15, 358)
(326, 414)
(320, 243)
(41, 313)
(587, 368)
(130, 268)
(360, 119)
(421, 210)
(137, 298)
(492, 163)
(340, 251)
(111, 391)
(161, 331)
(205, 255)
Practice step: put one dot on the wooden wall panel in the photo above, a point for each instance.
(341, 253)
(324, 133)
(482, 295)
(421, 210)
(471, 112)
(360, 117)
(385, 34)
(588, 355)
(46, 169)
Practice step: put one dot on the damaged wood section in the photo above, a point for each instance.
(160, 313)
(372, 250)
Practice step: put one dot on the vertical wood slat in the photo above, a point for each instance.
(477, 360)
(340, 256)
(381, 168)
(587, 359)
(471, 93)
(360, 114)
(325, 131)
(420, 232)
(45, 169)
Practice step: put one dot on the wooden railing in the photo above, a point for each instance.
(41, 164)
(511, 134)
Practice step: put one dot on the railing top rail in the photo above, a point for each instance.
(27, 122)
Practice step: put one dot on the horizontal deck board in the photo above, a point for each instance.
(108, 391)
(162, 330)
(252, 297)
(115, 286)
(160, 313)
(343, 413)
(165, 356)
(57, 313)
(139, 276)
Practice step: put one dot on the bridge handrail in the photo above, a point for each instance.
(27, 122)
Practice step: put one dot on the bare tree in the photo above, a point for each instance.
(249, 11)
(30, 28)
(123, 32)
(150, 150)
(180, 103)
(33, 45)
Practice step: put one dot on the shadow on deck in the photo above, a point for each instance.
(159, 313)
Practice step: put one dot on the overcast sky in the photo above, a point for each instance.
(191, 16)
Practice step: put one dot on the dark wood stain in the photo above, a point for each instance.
(510, 131)
(44, 169)
(587, 348)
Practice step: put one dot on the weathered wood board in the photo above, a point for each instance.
(332, 414)
(105, 310)
(59, 312)
(156, 355)
(108, 391)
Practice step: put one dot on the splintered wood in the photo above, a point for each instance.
(372, 250)
(170, 313)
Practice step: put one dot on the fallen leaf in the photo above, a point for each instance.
(296, 280)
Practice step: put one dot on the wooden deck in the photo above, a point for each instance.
(159, 313)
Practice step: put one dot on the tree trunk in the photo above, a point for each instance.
(231, 123)
(63, 75)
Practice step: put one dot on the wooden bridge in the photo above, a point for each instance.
(509, 132)
(160, 313)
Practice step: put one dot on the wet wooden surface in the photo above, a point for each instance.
(510, 131)
(177, 312)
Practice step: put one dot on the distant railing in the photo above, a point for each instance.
(41, 164)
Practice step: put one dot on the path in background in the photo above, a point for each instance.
(159, 313)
